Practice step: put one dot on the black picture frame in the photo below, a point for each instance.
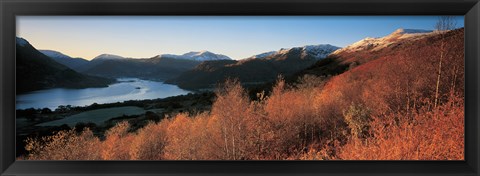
(11, 8)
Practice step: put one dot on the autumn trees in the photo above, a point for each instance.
(389, 108)
(230, 112)
(407, 114)
(428, 135)
(64, 145)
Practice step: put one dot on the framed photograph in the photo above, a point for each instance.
(239, 87)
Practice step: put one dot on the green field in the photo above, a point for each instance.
(98, 116)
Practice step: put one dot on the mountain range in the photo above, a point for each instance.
(35, 71)
(43, 69)
(204, 69)
(254, 70)
(374, 44)
(198, 56)
(160, 67)
(155, 68)
(369, 49)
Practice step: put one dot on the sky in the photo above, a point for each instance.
(238, 37)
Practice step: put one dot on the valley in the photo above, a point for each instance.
(124, 89)
(319, 102)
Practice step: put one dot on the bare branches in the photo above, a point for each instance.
(445, 23)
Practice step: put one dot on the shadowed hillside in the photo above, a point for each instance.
(255, 70)
(155, 68)
(36, 71)
(159, 68)
(73, 63)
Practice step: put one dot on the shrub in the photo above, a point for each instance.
(358, 119)
(430, 135)
(64, 145)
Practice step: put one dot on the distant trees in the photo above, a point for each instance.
(46, 111)
(63, 108)
(149, 115)
(30, 114)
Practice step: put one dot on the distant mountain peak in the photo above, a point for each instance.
(52, 53)
(73, 63)
(21, 41)
(382, 42)
(405, 33)
(108, 57)
(263, 55)
(204, 52)
(411, 31)
(319, 51)
(319, 46)
(195, 53)
(198, 56)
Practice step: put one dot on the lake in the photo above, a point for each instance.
(125, 89)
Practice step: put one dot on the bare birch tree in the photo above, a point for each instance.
(443, 24)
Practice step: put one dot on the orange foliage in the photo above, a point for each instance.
(437, 135)
(381, 109)
(64, 145)
(228, 115)
(150, 142)
(117, 143)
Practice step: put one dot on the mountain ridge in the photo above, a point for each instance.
(378, 43)
(73, 63)
(351, 57)
(36, 71)
(253, 70)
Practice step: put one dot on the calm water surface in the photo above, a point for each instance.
(126, 89)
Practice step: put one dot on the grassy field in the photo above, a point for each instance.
(98, 116)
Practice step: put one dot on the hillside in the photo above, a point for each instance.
(366, 50)
(73, 63)
(393, 103)
(155, 68)
(254, 70)
(160, 67)
(409, 69)
(198, 56)
(36, 71)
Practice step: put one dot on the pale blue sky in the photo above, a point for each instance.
(235, 36)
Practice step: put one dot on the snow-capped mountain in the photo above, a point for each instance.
(263, 55)
(205, 56)
(198, 56)
(108, 57)
(316, 51)
(319, 51)
(263, 67)
(54, 54)
(73, 63)
(382, 42)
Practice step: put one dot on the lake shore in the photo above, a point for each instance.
(124, 89)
